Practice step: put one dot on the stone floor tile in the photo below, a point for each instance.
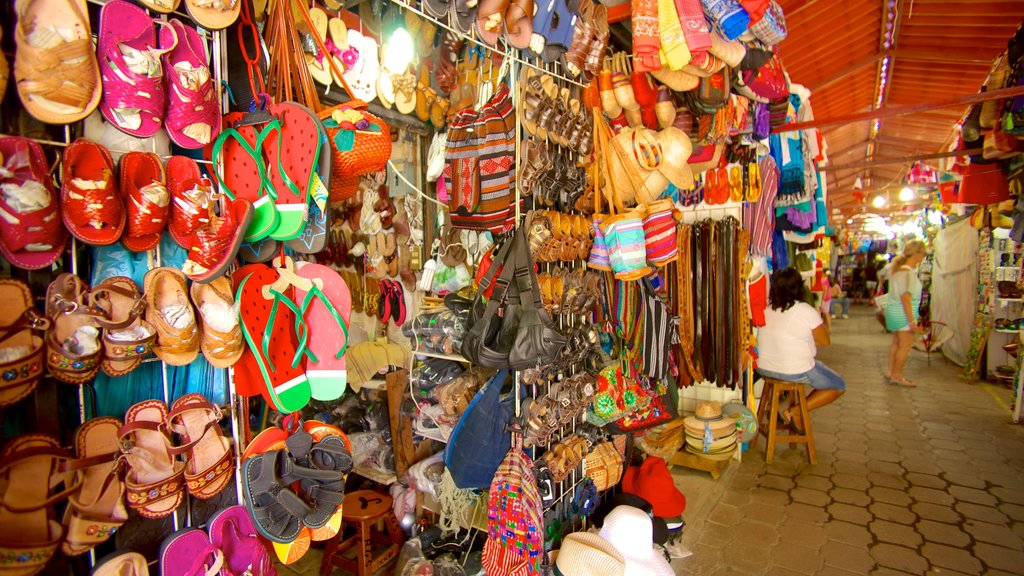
(795, 531)
(914, 463)
(800, 559)
(810, 496)
(893, 533)
(931, 495)
(725, 514)
(942, 533)
(850, 468)
(1007, 495)
(763, 534)
(827, 570)
(850, 481)
(776, 482)
(766, 513)
(807, 513)
(848, 496)
(744, 554)
(999, 558)
(935, 511)
(950, 557)
(824, 484)
(1014, 511)
(769, 496)
(983, 513)
(736, 497)
(781, 571)
(887, 480)
(853, 558)
(899, 558)
(847, 513)
(852, 456)
(961, 479)
(926, 480)
(972, 495)
(892, 513)
(998, 534)
(890, 496)
(848, 533)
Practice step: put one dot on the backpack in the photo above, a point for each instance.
(515, 519)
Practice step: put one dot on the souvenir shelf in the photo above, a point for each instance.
(1007, 261)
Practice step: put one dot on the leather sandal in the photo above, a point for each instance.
(602, 33)
(31, 234)
(73, 346)
(169, 310)
(145, 196)
(154, 480)
(55, 66)
(97, 510)
(221, 340)
(91, 207)
(218, 238)
(30, 470)
(576, 57)
(23, 351)
(210, 461)
(127, 336)
(189, 203)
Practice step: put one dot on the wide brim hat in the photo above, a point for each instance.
(720, 445)
(719, 428)
(587, 554)
(653, 482)
(708, 410)
(727, 454)
(628, 529)
(730, 52)
(676, 148)
(660, 534)
(664, 440)
(746, 422)
(677, 80)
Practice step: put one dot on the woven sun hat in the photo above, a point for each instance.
(724, 455)
(708, 410)
(730, 52)
(677, 80)
(663, 440)
(629, 530)
(746, 422)
(721, 445)
(676, 148)
(719, 428)
(587, 554)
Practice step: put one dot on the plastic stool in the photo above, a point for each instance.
(364, 509)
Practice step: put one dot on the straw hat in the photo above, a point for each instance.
(678, 80)
(709, 410)
(629, 530)
(709, 159)
(721, 445)
(587, 554)
(724, 455)
(730, 52)
(719, 428)
(663, 441)
(676, 148)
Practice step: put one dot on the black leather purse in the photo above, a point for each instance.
(538, 342)
(492, 326)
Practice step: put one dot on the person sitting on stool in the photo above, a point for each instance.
(838, 298)
(787, 344)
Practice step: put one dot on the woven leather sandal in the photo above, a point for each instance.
(211, 462)
(154, 479)
(127, 337)
(97, 510)
(170, 312)
(23, 350)
(58, 79)
(73, 346)
(221, 340)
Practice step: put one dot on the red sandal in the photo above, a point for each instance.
(31, 235)
(91, 207)
(146, 198)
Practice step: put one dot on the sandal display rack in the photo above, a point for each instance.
(215, 42)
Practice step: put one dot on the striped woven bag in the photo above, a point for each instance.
(515, 518)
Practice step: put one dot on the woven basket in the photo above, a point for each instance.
(369, 150)
(604, 466)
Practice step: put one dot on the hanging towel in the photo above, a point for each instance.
(646, 40)
(674, 52)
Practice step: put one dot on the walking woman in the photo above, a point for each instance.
(901, 309)
(789, 340)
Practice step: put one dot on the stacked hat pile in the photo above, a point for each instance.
(710, 434)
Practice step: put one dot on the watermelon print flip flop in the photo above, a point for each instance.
(292, 159)
(243, 174)
(268, 326)
(327, 311)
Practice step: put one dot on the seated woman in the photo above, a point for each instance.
(787, 344)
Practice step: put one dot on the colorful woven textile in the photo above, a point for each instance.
(646, 37)
(515, 519)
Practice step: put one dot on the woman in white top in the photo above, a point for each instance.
(787, 343)
(901, 309)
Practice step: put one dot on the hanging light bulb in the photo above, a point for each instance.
(906, 194)
(878, 201)
(400, 51)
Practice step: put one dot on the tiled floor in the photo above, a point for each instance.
(920, 481)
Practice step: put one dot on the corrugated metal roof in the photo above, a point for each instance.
(940, 49)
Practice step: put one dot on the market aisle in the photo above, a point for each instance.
(922, 481)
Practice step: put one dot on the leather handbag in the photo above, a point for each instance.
(537, 341)
(492, 326)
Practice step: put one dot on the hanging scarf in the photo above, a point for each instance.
(756, 9)
(646, 36)
(729, 16)
(695, 27)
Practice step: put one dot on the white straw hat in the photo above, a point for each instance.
(587, 554)
(630, 531)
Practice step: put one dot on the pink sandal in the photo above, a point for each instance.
(31, 236)
(134, 98)
(193, 113)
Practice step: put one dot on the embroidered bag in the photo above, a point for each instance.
(515, 519)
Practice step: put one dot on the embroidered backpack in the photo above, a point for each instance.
(515, 519)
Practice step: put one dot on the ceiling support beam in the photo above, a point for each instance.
(849, 70)
(892, 111)
(900, 160)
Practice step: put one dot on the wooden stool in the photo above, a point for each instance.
(364, 508)
(768, 416)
